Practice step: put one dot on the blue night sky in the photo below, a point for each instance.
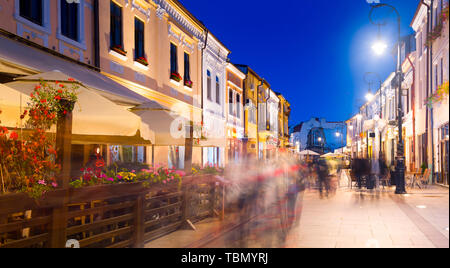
(315, 52)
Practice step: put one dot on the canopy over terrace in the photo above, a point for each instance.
(95, 118)
(308, 152)
(168, 127)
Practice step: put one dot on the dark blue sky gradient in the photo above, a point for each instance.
(315, 52)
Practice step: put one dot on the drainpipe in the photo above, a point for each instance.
(413, 96)
(96, 35)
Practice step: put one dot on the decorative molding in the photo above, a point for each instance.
(146, 13)
(21, 30)
(165, 7)
(140, 77)
(63, 47)
(116, 67)
(181, 38)
(160, 12)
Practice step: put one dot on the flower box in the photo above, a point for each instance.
(175, 76)
(188, 83)
(119, 49)
(142, 61)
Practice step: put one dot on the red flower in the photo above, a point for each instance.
(57, 98)
(59, 91)
(43, 101)
(71, 79)
(13, 136)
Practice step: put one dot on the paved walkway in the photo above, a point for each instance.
(362, 219)
(350, 219)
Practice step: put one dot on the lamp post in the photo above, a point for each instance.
(400, 159)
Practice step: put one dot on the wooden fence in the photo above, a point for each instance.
(106, 216)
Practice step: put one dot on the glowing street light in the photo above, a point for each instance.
(338, 134)
(379, 47)
(369, 96)
(359, 117)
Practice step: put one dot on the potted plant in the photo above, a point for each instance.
(142, 60)
(175, 76)
(119, 49)
(188, 83)
(28, 164)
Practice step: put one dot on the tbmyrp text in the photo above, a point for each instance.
(262, 258)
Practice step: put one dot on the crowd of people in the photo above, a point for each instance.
(271, 191)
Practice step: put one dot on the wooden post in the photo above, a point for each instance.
(139, 222)
(58, 226)
(213, 198)
(64, 147)
(189, 143)
(187, 224)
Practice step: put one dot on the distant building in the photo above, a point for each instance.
(318, 135)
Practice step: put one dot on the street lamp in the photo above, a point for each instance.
(400, 163)
(369, 96)
(379, 47)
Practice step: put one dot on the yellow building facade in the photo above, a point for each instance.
(154, 49)
(283, 121)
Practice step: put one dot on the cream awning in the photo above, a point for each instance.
(12, 105)
(93, 114)
(169, 128)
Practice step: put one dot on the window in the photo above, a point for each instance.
(31, 10)
(217, 90)
(442, 71)
(116, 26)
(230, 101)
(420, 44)
(187, 67)
(208, 82)
(173, 58)
(238, 106)
(138, 39)
(69, 19)
(436, 76)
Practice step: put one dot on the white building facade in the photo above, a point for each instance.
(214, 118)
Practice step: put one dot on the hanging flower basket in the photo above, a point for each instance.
(188, 83)
(119, 49)
(175, 76)
(142, 61)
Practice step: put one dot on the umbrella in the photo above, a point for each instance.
(93, 114)
(308, 152)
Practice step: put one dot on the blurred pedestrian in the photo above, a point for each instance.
(323, 177)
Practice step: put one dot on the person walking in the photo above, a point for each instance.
(322, 173)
